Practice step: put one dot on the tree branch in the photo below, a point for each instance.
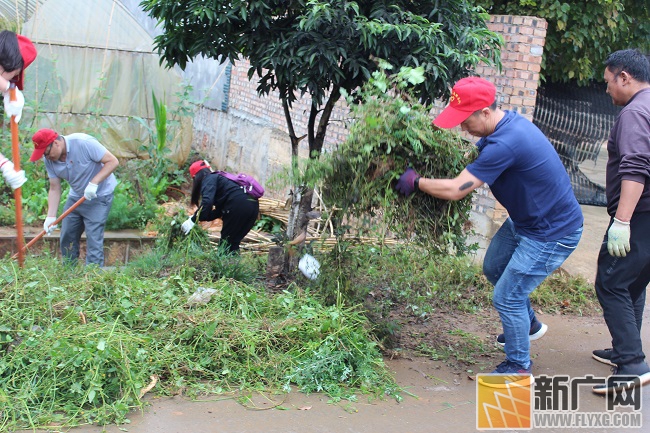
(316, 140)
(292, 135)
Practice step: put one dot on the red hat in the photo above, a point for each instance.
(28, 51)
(43, 138)
(198, 166)
(467, 96)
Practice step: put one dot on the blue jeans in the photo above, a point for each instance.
(90, 216)
(516, 265)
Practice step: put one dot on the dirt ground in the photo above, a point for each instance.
(440, 396)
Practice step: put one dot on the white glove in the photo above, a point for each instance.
(618, 238)
(46, 225)
(14, 108)
(187, 225)
(14, 178)
(91, 191)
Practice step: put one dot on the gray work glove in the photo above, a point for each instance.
(618, 238)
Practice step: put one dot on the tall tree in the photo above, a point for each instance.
(316, 49)
(582, 33)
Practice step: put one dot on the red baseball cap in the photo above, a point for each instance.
(467, 96)
(198, 166)
(43, 138)
(28, 51)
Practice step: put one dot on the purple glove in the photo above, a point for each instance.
(406, 182)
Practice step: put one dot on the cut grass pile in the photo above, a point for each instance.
(79, 345)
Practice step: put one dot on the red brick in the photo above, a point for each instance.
(535, 67)
(538, 41)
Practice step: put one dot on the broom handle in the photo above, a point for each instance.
(57, 221)
(18, 196)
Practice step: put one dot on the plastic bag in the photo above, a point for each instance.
(309, 266)
(202, 295)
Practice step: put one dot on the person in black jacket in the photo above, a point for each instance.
(623, 271)
(218, 197)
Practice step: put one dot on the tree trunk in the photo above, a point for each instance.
(274, 267)
(297, 226)
(301, 200)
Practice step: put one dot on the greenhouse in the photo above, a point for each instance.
(96, 72)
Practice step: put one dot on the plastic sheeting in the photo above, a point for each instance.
(19, 11)
(95, 71)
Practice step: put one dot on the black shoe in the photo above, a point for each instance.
(510, 374)
(625, 376)
(508, 367)
(604, 356)
(537, 331)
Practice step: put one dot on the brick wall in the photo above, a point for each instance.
(521, 57)
(243, 97)
(516, 89)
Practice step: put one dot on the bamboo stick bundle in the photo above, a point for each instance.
(320, 232)
(262, 244)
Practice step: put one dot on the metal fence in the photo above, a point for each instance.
(577, 121)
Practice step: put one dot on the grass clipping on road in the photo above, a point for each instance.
(79, 345)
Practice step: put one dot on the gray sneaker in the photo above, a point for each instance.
(604, 356)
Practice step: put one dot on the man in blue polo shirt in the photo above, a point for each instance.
(527, 177)
(88, 167)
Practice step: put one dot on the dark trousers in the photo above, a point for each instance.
(239, 216)
(621, 289)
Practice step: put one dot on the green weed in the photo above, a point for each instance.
(562, 293)
(406, 281)
(269, 224)
(403, 274)
(390, 132)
